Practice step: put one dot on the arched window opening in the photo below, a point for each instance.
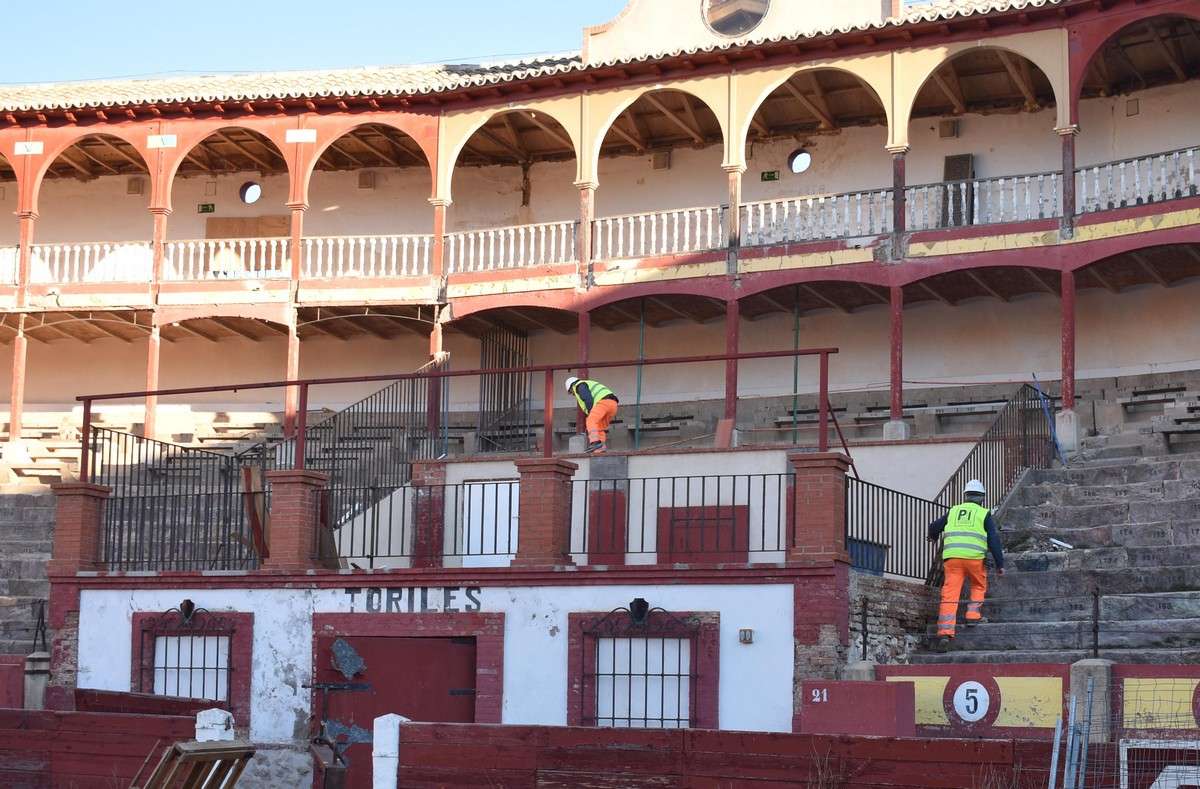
(516, 203)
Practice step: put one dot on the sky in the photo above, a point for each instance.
(57, 40)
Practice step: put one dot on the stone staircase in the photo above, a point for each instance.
(1131, 580)
(26, 531)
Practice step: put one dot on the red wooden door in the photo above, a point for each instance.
(606, 520)
(423, 679)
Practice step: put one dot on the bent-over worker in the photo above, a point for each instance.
(969, 532)
(599, 405)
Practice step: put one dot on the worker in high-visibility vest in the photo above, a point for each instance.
(969, 533)
(599, 405)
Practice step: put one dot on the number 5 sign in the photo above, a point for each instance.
(971, 704)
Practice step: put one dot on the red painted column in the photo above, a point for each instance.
(291, 405)
(152, 358)
(26, 220)
(295, 519)
(544, 538)
(159, 247)
(296, 242)
(78, 513)
(438, 267)
(732, 325)
(897, 411)
(1068, 340)
(585, 351)
(587, 217)
(899, 201)
(429, 513)
(1068, 177)
(734, 220)
(17, 402)
(819, 532)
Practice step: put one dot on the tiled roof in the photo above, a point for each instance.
(410, 80)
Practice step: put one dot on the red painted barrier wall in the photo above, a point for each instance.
(869, 709)
(12, 681)
(81, 750)
(520, 757)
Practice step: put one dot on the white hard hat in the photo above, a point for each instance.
(975, 486)
(571, 382)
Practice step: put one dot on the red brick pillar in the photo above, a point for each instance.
(819, 536)
(79, 508)
(544, 536)
(295, 519)
(429, 513)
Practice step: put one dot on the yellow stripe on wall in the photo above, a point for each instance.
(929, 692)
(1159, 703)
(1029, 702)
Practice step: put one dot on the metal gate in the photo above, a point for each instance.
(505, 408)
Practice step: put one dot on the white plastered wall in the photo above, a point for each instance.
(755, 692)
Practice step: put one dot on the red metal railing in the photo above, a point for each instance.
(304, 385)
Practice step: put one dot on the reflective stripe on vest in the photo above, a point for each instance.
(965, 536)
(599, 392)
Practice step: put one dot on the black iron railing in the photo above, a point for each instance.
(409, 524)
(1020, 438)
(733, 518)
(198, 531)
(886, 529)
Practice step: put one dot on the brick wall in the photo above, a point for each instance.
(898, 613)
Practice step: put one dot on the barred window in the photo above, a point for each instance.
(643, 683)
(193, 666)
(197, 654)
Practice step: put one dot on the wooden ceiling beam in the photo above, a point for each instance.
(818, 95)
(1019, 79)
(978, 280)
(514, 136)
(87, 174)
(947, 82)
(937, 294)
(400, 142)
(821, 297)
(96, 159)
(826, 121)
(1149, 269)
(135, 161)
(249, 154)
(233, 327)
(632, 138)
(874, 294)
(695, 133)
(380, 152)
(195, 332)
(1103, 280)
(92, 321)
(672, 309)
(1041, 283)
(353, 159)
(516, 153)
(556, 135)
(1164, 47)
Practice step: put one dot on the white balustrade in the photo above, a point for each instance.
(518, 246)
(327, 257)
(1147, 179)
(228, 258)
(659, 233)
(820, 217)
(91, 262)
(10, 263)
(984, 201)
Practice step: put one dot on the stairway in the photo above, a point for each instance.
(26, 531)
(1132, 515)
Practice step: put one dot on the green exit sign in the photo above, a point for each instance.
(206, 208)
(770, 175)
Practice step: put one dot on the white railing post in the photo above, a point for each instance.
(385, 751)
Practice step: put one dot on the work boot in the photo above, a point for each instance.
(942, 644)
(595, 447)
(980, 621)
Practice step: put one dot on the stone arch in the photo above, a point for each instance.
(171, 175)
(621, 101)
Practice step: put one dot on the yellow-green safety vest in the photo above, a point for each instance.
(599, 392)
(965, 536)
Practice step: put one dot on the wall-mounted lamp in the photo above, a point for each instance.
(638, 610)
(187, 610)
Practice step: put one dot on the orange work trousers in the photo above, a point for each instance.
(599, 418)
(958, 570)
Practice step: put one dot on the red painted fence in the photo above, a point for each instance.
(517, 757)
(12, 681)
(81, 750)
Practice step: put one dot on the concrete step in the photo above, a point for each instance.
(1104, 514)
(24, 587)
(1078, 635)
(1035, 538)
(1076, 583)
(1120, 471)
(1141, 656)
(1059, 494)
(1113, 558)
